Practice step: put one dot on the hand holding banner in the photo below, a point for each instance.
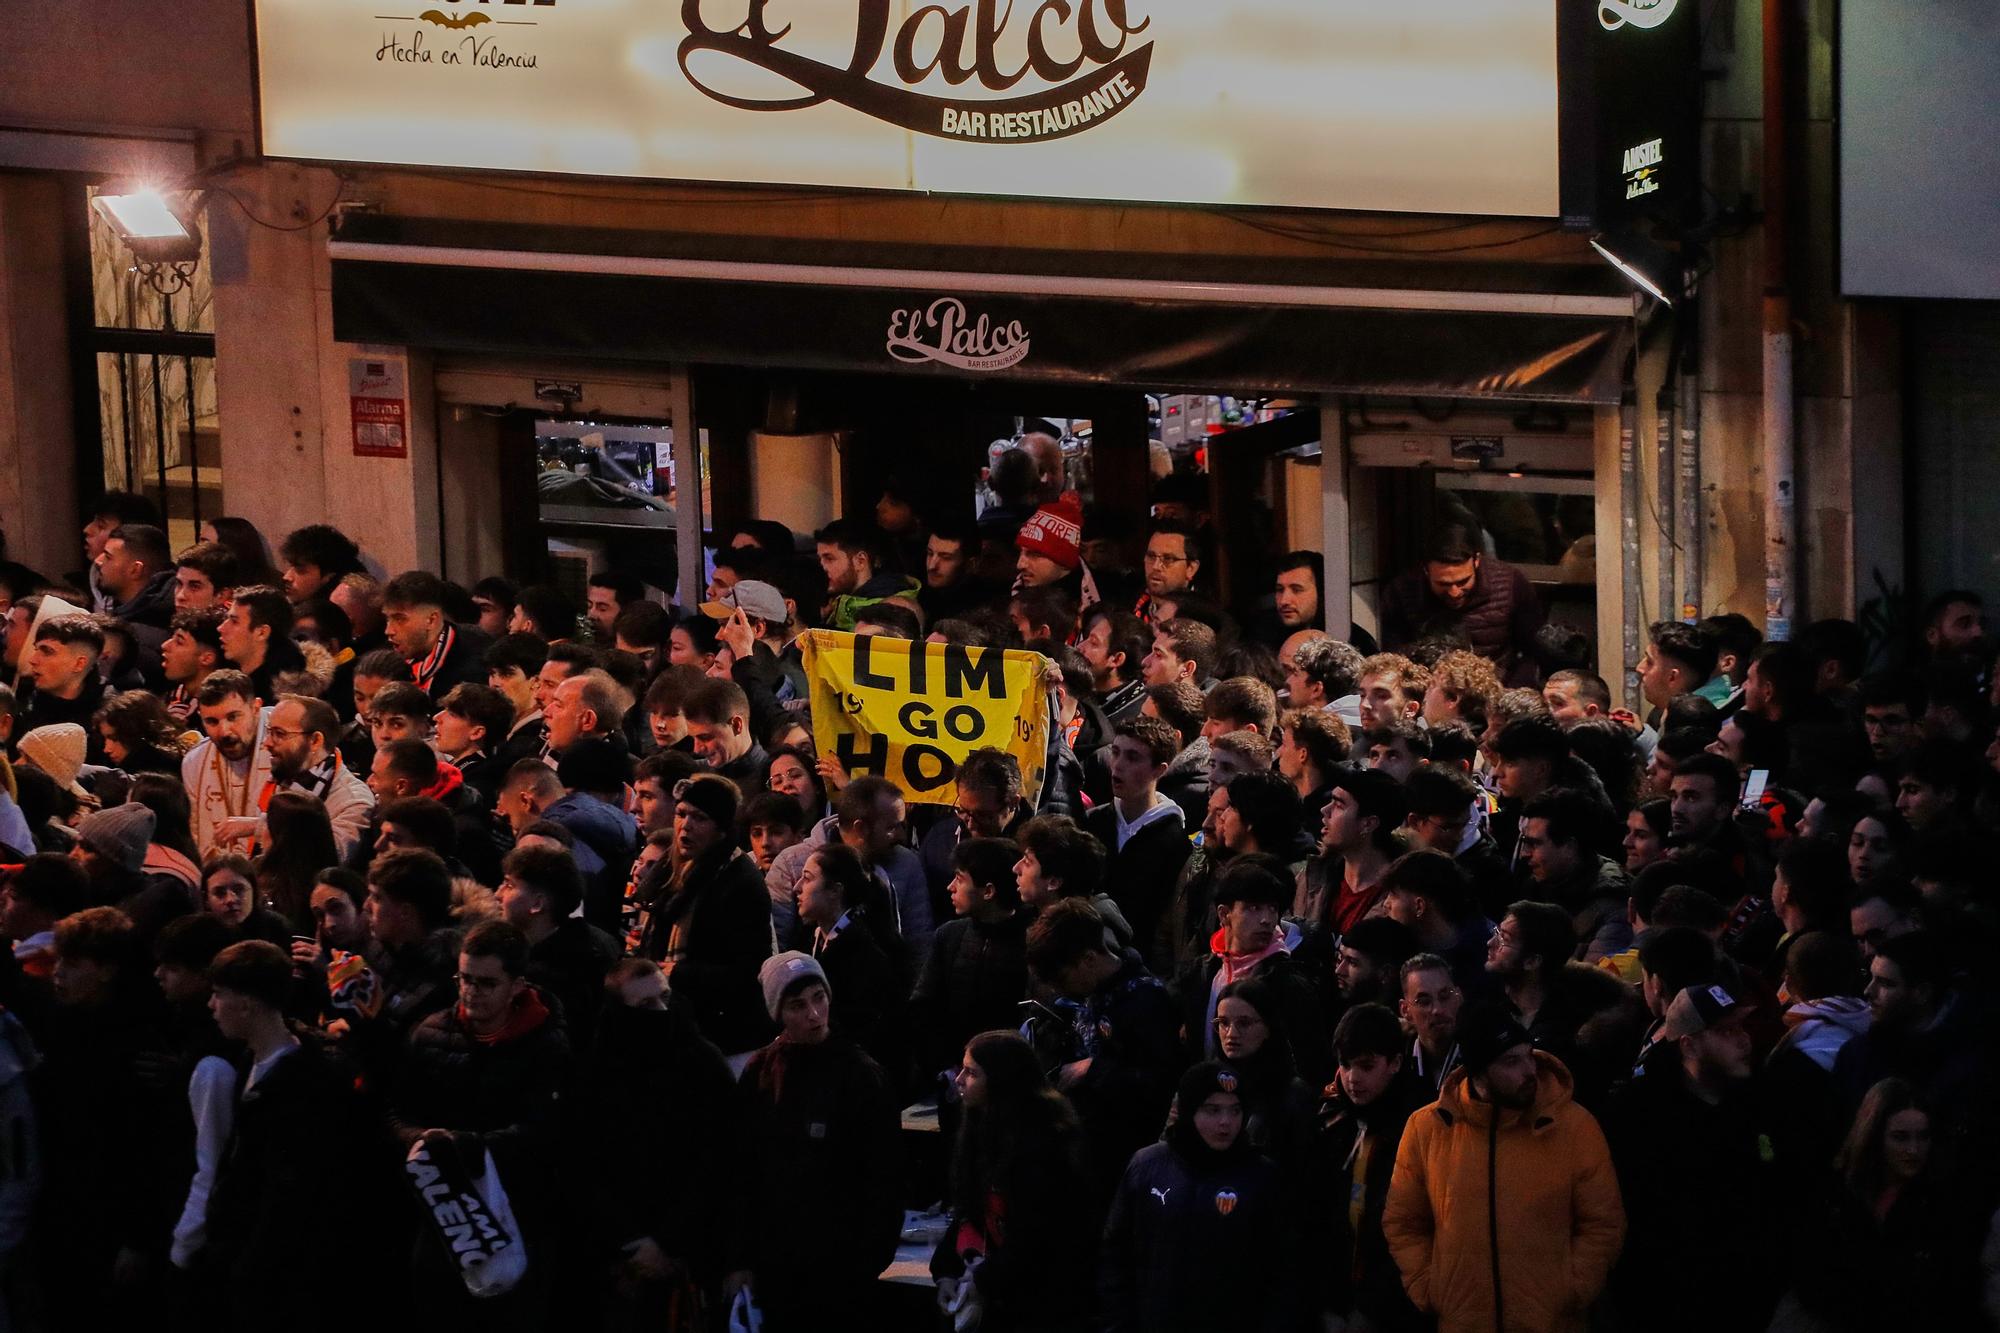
(910, 712)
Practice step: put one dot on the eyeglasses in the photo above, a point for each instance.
(283, 734)
(1156, 558)
(1426, 1000)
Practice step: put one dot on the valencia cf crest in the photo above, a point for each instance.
(1225, 1079)
(1225, 1202)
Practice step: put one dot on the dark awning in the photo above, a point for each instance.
(1550, 333)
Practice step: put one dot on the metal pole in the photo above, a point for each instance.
(1663, 491)
(194, 446)
(160, 433)
(1628, 505)
(687, 491)
(1687, 505)
(1780, 460)
(1337, 596)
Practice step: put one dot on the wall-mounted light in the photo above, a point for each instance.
(154, 227)
(1648, 265)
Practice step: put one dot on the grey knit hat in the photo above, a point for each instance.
(783, 972)
(119, 834)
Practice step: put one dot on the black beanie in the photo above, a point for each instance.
(1197, 1085)
(1485, 1033)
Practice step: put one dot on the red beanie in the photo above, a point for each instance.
(1056, 531)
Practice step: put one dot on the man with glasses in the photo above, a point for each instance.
(299, 737)
(1429, 1004)
(1172, 562)
(988, 805)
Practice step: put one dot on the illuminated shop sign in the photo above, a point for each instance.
(1448, 106)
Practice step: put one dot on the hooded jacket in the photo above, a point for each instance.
(611, 838)
(304, 1176)
(146, 617)
(1185, 782)
(848, 606)
(1198, 1241)
(1146, 856)
(1504, 1221)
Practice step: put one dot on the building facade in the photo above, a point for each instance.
(400, 346)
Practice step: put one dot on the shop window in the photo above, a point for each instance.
(607, 492)
(1544, 526)
(153, 335)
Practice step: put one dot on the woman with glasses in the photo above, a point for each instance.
(1251, 1036)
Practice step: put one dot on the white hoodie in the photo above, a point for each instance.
(1161, 808)
(1819, 1028)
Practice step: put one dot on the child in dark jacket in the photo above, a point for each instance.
(976, 973)
(1348, 1169)
(1199, 1236)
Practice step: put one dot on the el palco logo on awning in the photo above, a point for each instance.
(1075, 48)
(943, 332)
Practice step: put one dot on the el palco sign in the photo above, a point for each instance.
(1445, 107)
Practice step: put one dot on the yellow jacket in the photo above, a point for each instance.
(1524, 1212)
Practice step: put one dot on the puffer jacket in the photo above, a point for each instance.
(1499, 619)
(1504, 1223)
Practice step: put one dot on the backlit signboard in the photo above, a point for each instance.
(1424, 106)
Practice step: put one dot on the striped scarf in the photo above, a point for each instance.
(425, 669)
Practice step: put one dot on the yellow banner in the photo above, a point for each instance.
(910, 712)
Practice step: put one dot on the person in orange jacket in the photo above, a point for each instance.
(1503, 1210)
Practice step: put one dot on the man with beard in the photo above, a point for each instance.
(1503, 1209)
(1116, 643)
(226, 773)
(299, 738)
(1696, 1174)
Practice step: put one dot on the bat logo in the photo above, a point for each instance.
(444, 20)
(1161, 1194)
(1225, 1202)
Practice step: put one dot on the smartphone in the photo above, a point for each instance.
(1753, 787)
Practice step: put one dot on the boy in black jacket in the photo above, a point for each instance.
(976, 974)
(1361, 1126)
(1126, 1028)
(1145, 832)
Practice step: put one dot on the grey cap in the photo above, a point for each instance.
(783, 972)
(120, 834)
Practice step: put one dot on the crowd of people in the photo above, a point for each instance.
(384, 951)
